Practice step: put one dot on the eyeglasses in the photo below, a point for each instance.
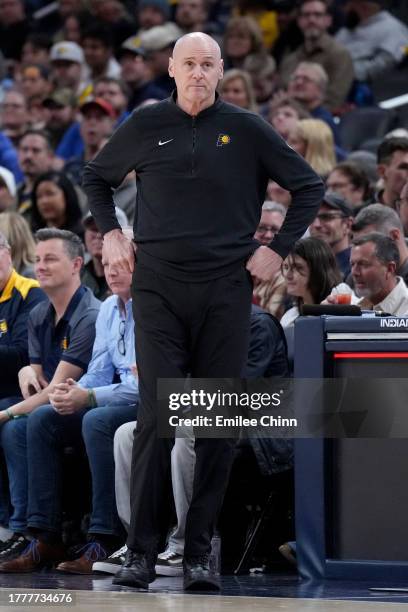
(262, 229)
(327, 217)
(286, 269)
(121, 341)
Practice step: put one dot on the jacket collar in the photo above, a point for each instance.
(207, 111)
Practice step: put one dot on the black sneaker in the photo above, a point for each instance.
(13, 547)
(112, 564)
(137, 570)
(198, 574)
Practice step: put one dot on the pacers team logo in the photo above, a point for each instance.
(3, 327)
(223, 139)
(64, 344)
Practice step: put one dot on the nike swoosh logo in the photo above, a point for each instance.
(163, 142)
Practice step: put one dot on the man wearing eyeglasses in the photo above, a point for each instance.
(103, 399)
(270, 295)
(332, 224)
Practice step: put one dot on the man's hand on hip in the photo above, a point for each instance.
(264, 264)
(118, 251)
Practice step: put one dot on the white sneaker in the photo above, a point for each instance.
(112, 564)
(169, 563)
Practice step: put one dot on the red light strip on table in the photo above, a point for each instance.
(370, 355)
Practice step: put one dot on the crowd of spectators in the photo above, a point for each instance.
(71, 72)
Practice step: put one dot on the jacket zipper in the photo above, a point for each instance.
(194, 145)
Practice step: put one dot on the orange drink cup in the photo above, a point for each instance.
(343, 298)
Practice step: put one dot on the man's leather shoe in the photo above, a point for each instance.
(92, 552)
(34, 557)
(137, 571)
(198, 574)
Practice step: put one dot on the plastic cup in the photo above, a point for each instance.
(343, 298)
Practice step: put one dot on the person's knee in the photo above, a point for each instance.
(43, 419)
(97, 424)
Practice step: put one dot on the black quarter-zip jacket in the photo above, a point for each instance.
(201, 183)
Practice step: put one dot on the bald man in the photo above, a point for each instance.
(202, 169)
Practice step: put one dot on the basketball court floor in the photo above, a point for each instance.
(249, 593)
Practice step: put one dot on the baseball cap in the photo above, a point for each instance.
(61, 97)
(120, 215)
(336, 201)
(8, 179)
(99, 103)
(67, 51)
(133, 44)
(160, 37)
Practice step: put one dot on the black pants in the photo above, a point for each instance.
(181, 328)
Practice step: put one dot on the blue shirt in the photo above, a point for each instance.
(115, 335)
(70, 340)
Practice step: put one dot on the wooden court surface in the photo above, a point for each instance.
(106, 601)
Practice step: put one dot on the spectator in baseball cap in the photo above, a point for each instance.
(61, 106)
(158, 42)
(136, 73)
(67, 61)
(98, 120)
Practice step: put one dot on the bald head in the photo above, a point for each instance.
(196, 40)
(197, 67)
